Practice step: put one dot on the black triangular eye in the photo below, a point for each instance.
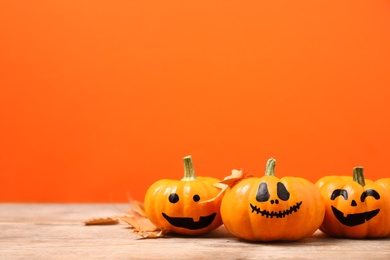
(283, 194)
(262, 192)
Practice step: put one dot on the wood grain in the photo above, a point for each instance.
(57, 231)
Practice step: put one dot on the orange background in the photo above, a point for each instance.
(99, 99)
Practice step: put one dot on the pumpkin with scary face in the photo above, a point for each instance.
(184, 206)
(355, 207)
(269, 208)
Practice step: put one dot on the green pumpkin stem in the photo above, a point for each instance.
(358, 175)
(189, 172)
(270, 167)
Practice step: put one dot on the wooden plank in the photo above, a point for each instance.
(56, 231)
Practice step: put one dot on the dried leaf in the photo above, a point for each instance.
(136, 207)
(139, 223)
(236, 175)
(136, 218)
(227, 182)
(102, 221)
(154, 234)
(142, 226)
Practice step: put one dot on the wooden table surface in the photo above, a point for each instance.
(57, 231)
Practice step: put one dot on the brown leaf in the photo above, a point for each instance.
(154, 234)
(101, 221)
(143, 226)
(136, 218)
(139, 223)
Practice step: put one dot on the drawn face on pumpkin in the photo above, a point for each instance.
(357, 218)
(266, 199)
(188, 222)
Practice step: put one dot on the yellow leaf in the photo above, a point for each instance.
(227, 182)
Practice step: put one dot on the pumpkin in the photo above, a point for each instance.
(269, 209)
(185, 206)
(355, 207)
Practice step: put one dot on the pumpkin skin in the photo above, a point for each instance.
(355, 207)
(184, 206)
(272, 209)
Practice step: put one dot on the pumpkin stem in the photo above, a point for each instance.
(358, 175)
(189, 172)
(270, 167)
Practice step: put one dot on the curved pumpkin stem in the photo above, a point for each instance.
(270, 167)
(189, 172)
(358, 175)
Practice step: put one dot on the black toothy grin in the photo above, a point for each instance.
(280, 214)
(189, 223)
(354, 219)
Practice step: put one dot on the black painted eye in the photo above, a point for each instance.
(262, 192)
(339, 192)
(367, 193)
(173, 198)
(196, 198)
(283, 194)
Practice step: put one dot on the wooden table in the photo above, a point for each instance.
(57, 231)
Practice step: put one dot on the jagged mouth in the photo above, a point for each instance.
(280, 214)
(189, 223)
(354, 219)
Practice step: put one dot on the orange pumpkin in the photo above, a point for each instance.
(185, 206)
(269, 208)
(355, 207)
